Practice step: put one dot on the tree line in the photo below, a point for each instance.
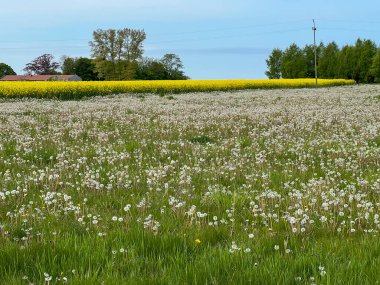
(360, 62)
(115, 55)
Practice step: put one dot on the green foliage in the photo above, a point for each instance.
(294, 64)
(118, 55)
(203, 139)
(151, 69)
(173, 66)
(346, 62)
(359, 62)
(83, 67)
(375, 67)
(363, 53)
(115, 50)
(6, 70)
(68, 65)
(274, 63)
(168, 68)
(328, 61)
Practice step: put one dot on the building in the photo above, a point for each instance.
(41, 78)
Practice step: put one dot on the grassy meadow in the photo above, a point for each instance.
(244, 187)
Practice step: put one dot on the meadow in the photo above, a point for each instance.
(77, 90)
(244, 187)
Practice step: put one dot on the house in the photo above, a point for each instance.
(41, 78)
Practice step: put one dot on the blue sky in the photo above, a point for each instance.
(214, 38)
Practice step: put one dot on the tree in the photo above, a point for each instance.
(42, 65)
(83, 67)
(116, 51)
(68, 65)
(346, 62)
(328, 62)
(309, 55)
(151, 69)
(293, 63)
(6, 70)
(173, 66)
(360, 62)
(365, 50)
(274, 63)
(374, 71)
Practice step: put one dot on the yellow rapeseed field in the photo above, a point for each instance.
(75, 90)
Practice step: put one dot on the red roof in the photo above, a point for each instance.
(35, 77)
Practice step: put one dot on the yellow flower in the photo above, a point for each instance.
(197, 241)
(75, 90)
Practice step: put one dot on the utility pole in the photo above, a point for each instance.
(315, 56)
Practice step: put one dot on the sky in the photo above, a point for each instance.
(215, 39)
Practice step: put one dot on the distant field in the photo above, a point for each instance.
(77, 90)
(249, 187)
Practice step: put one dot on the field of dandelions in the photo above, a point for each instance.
(243, 187)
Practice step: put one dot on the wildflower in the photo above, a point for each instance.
(47, 276)
(322, 271)
(276, 247)
(197, 241)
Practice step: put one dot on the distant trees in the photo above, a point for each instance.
(374, 70)
(42, 65)
(274, 63)
(293, 63)
(360, 62)
(115, 52)
(150, 69)
(173, 66)
(6, 70)
(328, 61)
(169, 67)
(116, 55)
(83, 67)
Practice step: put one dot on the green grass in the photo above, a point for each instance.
(251, 166)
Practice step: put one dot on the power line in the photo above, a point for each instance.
(172, 41)
(232, 28)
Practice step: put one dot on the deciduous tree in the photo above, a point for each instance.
(375, 67)
(328, 61)
(6, 70)
(43, 64)
(115, 51)
(293, 63)
(173, 66)
(274, 63)
(83, 67)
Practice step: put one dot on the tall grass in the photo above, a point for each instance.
(256, 187)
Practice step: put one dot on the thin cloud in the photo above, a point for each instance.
(214, 51)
